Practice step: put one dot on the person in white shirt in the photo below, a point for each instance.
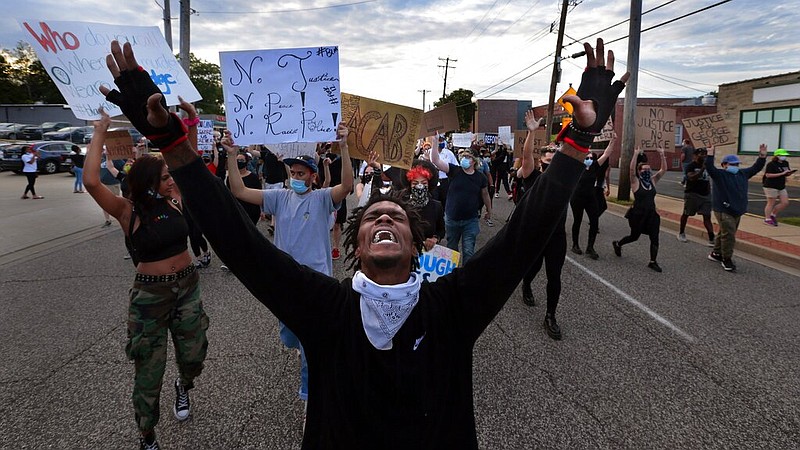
(446, 155)
(30, 167)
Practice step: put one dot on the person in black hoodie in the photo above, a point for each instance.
(390, 358)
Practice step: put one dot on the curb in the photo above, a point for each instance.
(763, 247)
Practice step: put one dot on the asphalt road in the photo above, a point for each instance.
(693, 357)
(756, 201)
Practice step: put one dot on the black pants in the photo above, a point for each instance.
(553, 259)
(579, 203)
(501, 175)
(441, 191)
(644, 223)
(31, 181)
(196, 239)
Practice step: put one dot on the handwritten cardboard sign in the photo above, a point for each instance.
(655, 128)
(119, 144)
(708, 130)
(462, 140)
(437, 262)
(294, 149)
(538, 137)
(205, 136)
(442, 119)
(286, 95)
(606, 133)
(74, 55)
(387, 128)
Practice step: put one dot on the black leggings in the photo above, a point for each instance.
(650, 226)
(501, 175)
(580, 203)
(553, 257)
(31, 181)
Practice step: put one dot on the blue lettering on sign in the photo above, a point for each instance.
(162, 78)
(430, 265)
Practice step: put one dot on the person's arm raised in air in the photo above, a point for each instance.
(663, 169)
(191, 121)
(239, 190)
(632, 174)
(438, 161)
(342, 190)
(528, 164)
(111, 203)
(272, 276)
(537, 215)
(608, 151)
(759, 164)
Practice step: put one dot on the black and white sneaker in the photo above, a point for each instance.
(714, 256)
(181, 408)
(143, 445)
(728, 265)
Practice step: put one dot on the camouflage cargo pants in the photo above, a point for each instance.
(154, 309)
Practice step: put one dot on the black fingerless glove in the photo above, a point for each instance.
(595, 86)
(135, 87)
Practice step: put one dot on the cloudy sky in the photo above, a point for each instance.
(391, 49)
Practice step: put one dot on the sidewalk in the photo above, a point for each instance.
(780, 244)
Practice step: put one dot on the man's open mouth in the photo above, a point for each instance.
(384, 237)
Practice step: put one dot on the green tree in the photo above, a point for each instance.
(10, 92)
(27, 72)
(464, 106)
(207, 78)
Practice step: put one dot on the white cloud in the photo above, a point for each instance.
(389, 49)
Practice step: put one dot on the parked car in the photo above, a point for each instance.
(13, 131)
(72, 134)
(53, 156)
(135, 135)
(35, 132)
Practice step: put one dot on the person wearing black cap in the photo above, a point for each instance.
(729, 200)
(697, 195)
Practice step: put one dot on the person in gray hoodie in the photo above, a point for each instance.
(730, 200)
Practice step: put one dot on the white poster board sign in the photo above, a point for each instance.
(462, 140)
(205, 136)
(505, 135)
(437, 262)
(74, 55)
(277, 96)
(294, 149)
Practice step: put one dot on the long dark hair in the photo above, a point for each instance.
(354, 222)
(143, 180)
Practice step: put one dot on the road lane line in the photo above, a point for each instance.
(634, 302)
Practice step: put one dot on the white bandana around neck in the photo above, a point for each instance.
(384, 309)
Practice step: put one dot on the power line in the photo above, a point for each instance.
(280, 11)
(575, 41)
(674, 20)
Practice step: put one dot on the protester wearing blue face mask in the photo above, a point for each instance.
(468, 187)
(730, 200)
(643, 217)
(302, 228)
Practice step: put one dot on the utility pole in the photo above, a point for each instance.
(629, 111)
(186, 11)
(423, 97)
(556, 77)
(167, 24)
(446, 66)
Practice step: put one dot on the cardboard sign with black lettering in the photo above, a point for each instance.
(655, 128)
(441, 119)
(119, 144)
(606, 133)
(387, 128)
(708, 130)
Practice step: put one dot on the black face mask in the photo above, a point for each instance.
(241, 164)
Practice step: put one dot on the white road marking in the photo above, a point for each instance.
(634, 302)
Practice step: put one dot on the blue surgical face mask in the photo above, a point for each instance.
(466, 163)
(298, 186)
(588, 162)
(732, 169)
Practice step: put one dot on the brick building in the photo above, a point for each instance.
(492, 114)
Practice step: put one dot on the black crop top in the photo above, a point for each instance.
(161, 235)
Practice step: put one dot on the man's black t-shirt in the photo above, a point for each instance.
(700, 185)
(464, 198)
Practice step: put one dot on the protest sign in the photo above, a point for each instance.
(390, 130)
(606, 133)
(205, 136)
(441, 119)
(708, 130)
(286, 95)
(505, 135)
(462, 140)
(538, 137)
(437, 262)
(655, 128)
(294, 149)
(490, 138)
(74, 55)
(119, 144)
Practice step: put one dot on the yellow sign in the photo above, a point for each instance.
(567, 106)
(387, 128)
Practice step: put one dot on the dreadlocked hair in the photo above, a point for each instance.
(354, 222)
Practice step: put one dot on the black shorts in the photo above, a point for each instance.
(341, 213)
(694, 203)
